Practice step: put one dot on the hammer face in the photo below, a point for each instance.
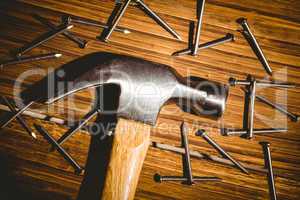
(214, 102)
(144, 86)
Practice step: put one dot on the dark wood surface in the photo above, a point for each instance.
(27, 167)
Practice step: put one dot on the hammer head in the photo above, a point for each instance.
(213, 105)
(144, 86)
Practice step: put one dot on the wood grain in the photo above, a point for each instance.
(129, 149)
(29, 168)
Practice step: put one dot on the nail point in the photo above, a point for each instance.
(126, 31)
(33, 135)
(184, 127)
(70, 26)
(179, 38)
(57, 55)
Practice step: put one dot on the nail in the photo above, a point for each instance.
(233, 82)
(188, 179)
(185, 144)
(264, 100)
(97, 24)
(44, 38)
(65, 154)
(117, 20)
(227, 38)
(252, 94)
(200, 155)
(30, 59)
(19, 118)
(228, 132)
(81, 43)
(19, 112)
(159, 20)
(158, 178)
(273, 84)
(254, 44)
(292, 116)
(74, 129)
(268, 165)
(222, 151)
(200, 11)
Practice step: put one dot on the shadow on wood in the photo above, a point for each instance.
(100, 146)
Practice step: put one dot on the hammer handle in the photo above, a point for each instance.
(129, 149)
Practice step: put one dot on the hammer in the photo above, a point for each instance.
(129, 93)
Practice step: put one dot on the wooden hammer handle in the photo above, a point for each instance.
(129, 149)
(115, 162)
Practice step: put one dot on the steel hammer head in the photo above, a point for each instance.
(144, 86)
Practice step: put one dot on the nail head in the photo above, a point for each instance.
(230, 35)
(200, 132)
(83, 45)
(157, 178)
(232, 81)
(241, 20)
(267, 144)
(224, 131)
